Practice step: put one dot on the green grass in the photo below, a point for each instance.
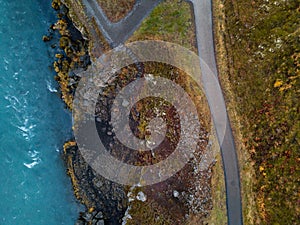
(170, 21)
(218, 214)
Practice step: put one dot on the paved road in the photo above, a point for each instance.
(118, 33)
(205, 41)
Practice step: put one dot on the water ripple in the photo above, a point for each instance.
(34, 187)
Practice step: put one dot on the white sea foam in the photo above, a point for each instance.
(50, 88)
(30, 121)
(33, 164)
(27, 132)
(33, 154)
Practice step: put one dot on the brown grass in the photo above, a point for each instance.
(115, 10)
(247, 174)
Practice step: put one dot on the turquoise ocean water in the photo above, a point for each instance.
(34, 188)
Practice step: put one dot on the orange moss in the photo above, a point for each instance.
(69, 144)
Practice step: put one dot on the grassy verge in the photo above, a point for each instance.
(262, 48)
(247, 173)
(218, 214)
(170, 21)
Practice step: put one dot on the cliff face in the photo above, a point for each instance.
(103, 199)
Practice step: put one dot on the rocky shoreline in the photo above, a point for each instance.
(185, 198)
(72, 53)
(72, 59)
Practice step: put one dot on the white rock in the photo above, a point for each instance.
(175, 194)
(125, 103)
(141, 196)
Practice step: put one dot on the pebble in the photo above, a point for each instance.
(99, 184)
(100, 222)
(125, 103)
(46, 38)
(87, 216)
(99, 215)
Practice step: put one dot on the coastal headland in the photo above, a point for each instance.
(257, 50)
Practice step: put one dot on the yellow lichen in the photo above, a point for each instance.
(56, 66)
(56, 4)
(64, 42)
(69, 144)
(73, 178)
(261, 169)
(59, 56)
(91, 209)
(278, 83)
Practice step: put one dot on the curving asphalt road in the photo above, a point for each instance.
(205, 41)
(118, 33)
